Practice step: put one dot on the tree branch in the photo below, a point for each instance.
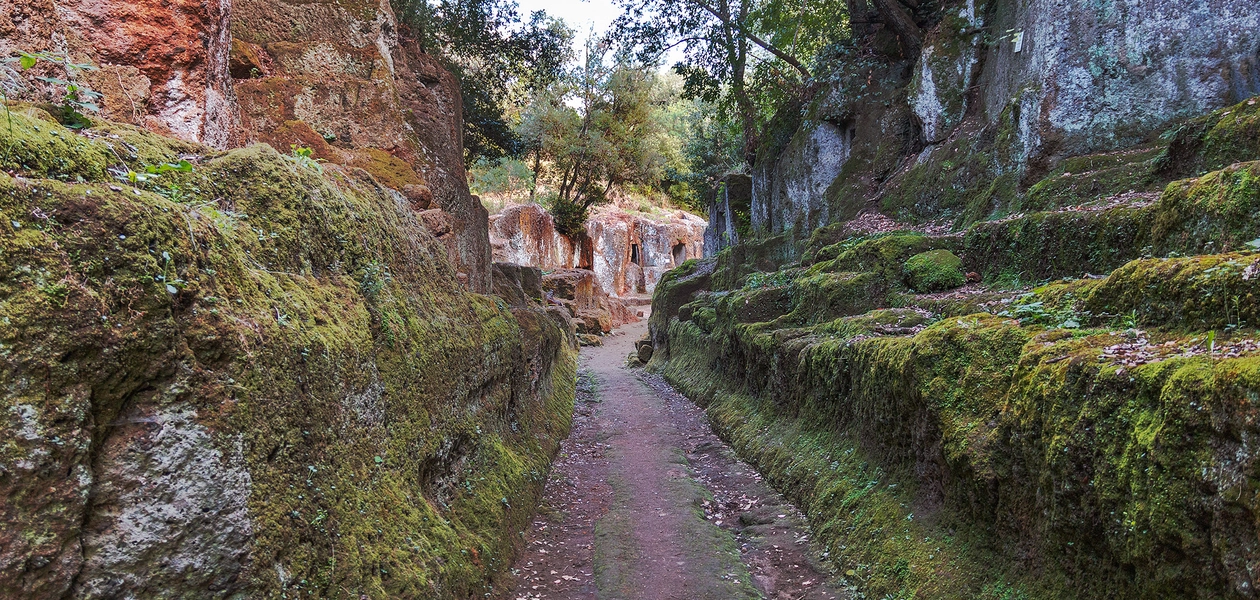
(895, 16)
(752, 37)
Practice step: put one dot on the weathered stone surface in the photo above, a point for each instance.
(344, 80)
(275, 385)
(526, 234)
(162, 65)
(628, 252)
(578, 291)
(728, 213)
(169, 510)
(1002, 92)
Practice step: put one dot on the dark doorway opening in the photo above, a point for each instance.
(586, 259)
(680, 253)
(635, 257)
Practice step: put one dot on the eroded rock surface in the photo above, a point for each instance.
(269, 383)
(1001, 94)
(161, 65)
(340, 78)
(627, 251)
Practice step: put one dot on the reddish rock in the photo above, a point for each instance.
(628, 252)
(579, 292)
(162, 64)
(346, 81)
(632, 251)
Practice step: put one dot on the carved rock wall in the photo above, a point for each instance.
(341, 78)
(161, 64)
(628, 252)
(1002, 92)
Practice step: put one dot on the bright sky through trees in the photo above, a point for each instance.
(581, 15)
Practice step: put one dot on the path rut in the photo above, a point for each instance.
(645, 502)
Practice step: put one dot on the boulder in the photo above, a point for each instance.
(578, 291)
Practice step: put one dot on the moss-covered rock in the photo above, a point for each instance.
(1049, 245)
(1214, 141)
(934, 271)
(1198, 293)
(946, 463)
(1017, 452)
(254, 379)
(1219, 212)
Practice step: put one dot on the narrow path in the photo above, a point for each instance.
(645, 502)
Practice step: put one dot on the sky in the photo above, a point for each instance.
(581, 15)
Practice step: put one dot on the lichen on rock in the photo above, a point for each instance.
(253, 379)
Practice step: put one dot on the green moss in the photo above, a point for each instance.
(1214, 141)
(1085, 179)
(946, 464)
(1214, 213)
(33, 142)
(385, 417)
(966, 179)
(1199, 293)
(1049, 245)
(934, 271)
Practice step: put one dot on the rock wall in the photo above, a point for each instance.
(628, 252)
(1001, 94)
(729, 216)
(162, 65)
(259, 378)
(1006, 438)
(345, 80)
(341, 78)
(268, 376)
(1010, 348)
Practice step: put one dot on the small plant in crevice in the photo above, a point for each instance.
(375, 277)
(169, 278)
(149, 173)
(772, 279)
(76, 97)
(305, 157)
(1035, 312)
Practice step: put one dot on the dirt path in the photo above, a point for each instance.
(645, 502)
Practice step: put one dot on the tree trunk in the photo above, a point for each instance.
(533, 190)
(895, 15)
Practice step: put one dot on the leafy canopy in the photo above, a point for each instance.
(498, 56)
(748, 57)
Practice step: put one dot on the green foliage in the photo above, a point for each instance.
(602, 128)
(305, 157)
(498, 56)
(749, 58)
(934, 271)
(570, 217)
(65, 79)
(500, 177)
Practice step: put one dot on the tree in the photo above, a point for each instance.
(498, 58)
(600, 129)
(751, 58)
(733, 48)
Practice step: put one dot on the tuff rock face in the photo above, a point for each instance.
(340, 78)
(268, 383)
(579, 293)
(265, 376)
(1016, 85)
(1059, 402)
(628, 252)
(162, 65)
(728, 213)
